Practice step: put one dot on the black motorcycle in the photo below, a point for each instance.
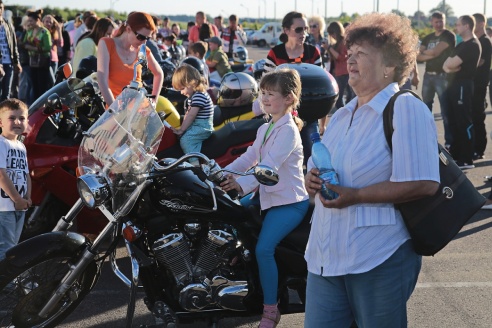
(191, 245)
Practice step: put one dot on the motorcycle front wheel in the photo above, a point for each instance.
(25, 290)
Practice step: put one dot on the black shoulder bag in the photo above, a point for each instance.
(434, 221)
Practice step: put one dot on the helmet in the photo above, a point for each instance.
(176, 53)
(168, 68)
(194, 62)
(319, 90)
(237, 89)
(240, 54)
(87, 66)
(259, 69)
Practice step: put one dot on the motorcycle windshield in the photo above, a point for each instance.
(70, 92)
(122, 143)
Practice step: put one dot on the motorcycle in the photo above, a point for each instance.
(57, 121)
(190, 244)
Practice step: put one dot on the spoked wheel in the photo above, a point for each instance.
(24, 291)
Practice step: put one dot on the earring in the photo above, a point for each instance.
(385, 76)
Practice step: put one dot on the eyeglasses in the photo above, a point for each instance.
(313, 26)
(301, 29)
(141, 37)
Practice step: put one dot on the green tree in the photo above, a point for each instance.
(443, 7)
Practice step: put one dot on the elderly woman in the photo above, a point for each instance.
(361, 262)
(116, 57)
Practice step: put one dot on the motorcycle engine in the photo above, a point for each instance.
(199, 291)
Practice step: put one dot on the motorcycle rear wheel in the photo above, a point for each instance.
(25, 290)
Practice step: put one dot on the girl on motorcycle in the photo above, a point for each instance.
(197, 124)
(278, 145)
(117, 56)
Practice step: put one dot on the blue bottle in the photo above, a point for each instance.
(322, 159)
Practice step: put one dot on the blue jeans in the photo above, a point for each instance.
(7, 81)
(25, 85)
(279, 221)
(431, 85)
(11, 223)
(375, 299)
(307, 144)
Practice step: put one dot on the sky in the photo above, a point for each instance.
(262, 8)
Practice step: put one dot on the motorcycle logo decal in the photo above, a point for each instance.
(175, 205)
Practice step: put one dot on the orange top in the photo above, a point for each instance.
(120, 74)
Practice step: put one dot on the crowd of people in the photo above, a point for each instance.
(371, 277)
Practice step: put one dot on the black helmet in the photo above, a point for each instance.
(319, 90)
(168, 68)
(194, 62)
(87, 66)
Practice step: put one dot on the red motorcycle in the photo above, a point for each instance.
(57, 123)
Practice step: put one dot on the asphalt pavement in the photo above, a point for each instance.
(454, 289)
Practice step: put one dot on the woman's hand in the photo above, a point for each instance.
(231, 184)
(346, 197)
(312, 182)
(178, 132)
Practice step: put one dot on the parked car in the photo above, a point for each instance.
(266, 34)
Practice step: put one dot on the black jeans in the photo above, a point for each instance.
(459, 95)
(42, 80)
(478, 117)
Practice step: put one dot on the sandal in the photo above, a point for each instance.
(270, 318)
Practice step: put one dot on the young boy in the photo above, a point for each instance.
(198, 50)
(217, 60)
(15, 183)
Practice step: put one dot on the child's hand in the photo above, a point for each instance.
(231, 184)
(177, 131)
(21, 204)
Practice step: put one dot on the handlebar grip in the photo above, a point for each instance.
(233, 194)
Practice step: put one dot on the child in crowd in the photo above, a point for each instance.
(197, 124)
(217, 60)
(198, 50)
(278, 145)
(15, 183)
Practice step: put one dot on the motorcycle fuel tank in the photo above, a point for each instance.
(182, 193)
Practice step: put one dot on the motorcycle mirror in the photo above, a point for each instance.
(53, 103)
(67, 70)
(265, 175)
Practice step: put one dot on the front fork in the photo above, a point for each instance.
(92, 251)
(87, 257)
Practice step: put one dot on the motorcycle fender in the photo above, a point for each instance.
(33, 249)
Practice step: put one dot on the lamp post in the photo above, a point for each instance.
(247, 9)
(111, 4)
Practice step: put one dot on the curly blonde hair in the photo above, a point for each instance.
(390, 33)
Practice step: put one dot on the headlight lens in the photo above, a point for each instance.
(93, 189)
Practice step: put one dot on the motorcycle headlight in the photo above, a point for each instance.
(93, 189)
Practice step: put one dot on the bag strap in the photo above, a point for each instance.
(388, 115)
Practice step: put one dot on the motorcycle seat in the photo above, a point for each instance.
(232, 134)
(298, 238)
(221, 114)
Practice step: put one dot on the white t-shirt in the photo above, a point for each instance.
(13, 158)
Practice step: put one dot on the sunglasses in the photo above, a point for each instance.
(141, 37)
(313, 26)
(301, 29)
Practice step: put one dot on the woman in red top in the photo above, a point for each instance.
(293, 49)
(116, 57)
(338, 51)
